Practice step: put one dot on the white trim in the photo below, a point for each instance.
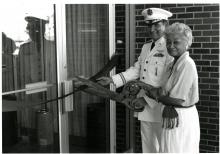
(130, 60)
(127, 36)
(130, 34)
(61, 75)
(112, 87)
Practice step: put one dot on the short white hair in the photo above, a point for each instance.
(182, 29)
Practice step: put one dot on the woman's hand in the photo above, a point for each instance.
(104, 80)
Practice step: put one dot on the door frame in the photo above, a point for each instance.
(112, 87)
(129, 61)
(61, 74)
(60, 20)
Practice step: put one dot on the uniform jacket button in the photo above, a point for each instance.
(146, 62)
(142, 77)
(145, 70)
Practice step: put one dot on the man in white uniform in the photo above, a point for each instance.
(149, 68)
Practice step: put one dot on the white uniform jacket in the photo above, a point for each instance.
(150, 68)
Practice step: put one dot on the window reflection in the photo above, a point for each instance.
(29, 56)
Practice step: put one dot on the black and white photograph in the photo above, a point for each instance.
(110, 77)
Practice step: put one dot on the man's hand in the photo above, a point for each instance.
(104, 80)
(139, 103)
(78, 83)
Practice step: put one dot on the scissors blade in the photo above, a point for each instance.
(101, 91)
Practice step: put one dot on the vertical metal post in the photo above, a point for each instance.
(61, 74)
(112, 103)
(130, 59)
(130, 34)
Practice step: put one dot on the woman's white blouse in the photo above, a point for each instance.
(183, 80)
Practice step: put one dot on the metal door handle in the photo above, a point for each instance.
(34, 88)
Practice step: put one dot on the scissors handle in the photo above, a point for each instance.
(132, 106)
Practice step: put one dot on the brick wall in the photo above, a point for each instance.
(203, 19)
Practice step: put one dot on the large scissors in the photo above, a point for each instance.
(126, 97)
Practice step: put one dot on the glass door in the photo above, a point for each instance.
(37, 66)
(29, 79)
(87, 36)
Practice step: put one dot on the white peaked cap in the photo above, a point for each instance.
(152, 15)
(38, 15)
(39, 11)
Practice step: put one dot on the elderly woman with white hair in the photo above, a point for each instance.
(181, 130)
